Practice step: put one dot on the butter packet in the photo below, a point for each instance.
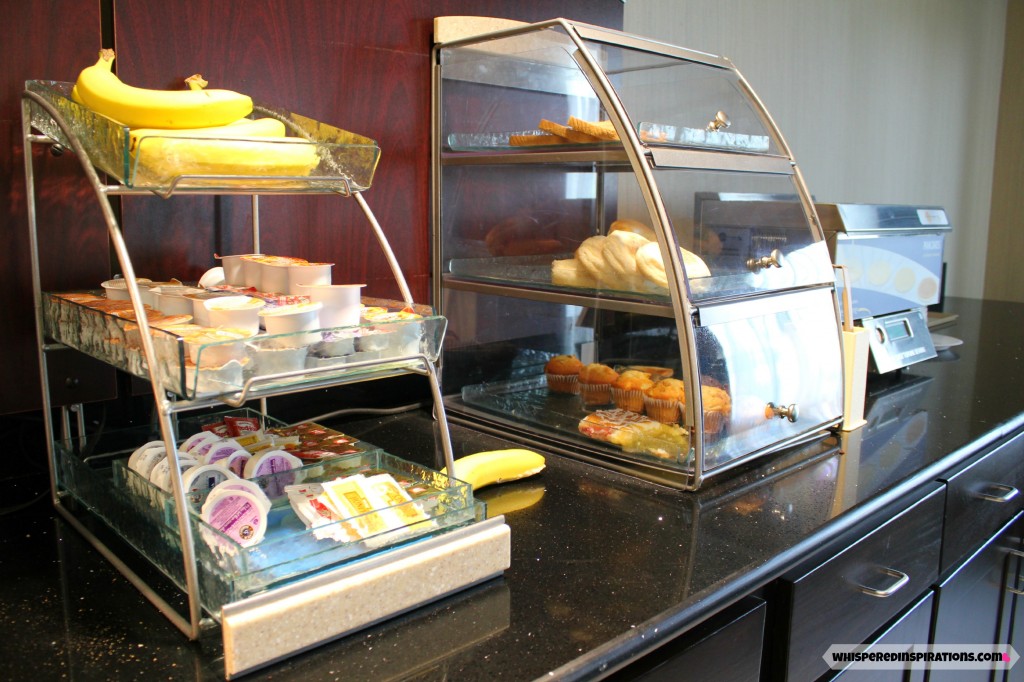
(353, 500)
(392, 496)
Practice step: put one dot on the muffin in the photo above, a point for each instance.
(562, 372)
(628, 390)
(664, 399)
(596, 383)
(717, 407)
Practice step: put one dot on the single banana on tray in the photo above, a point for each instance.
(102, 91)
(496, 466)
(241, 129)
(162, 158)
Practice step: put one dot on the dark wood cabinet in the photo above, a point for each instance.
(976, 603)
(850, 595)
(983, 495)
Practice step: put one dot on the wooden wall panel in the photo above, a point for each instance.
(365, 68)
(44, 39)
(360, 66)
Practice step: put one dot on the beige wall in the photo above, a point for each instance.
(881, 101)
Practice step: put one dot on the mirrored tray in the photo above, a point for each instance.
(313, 156)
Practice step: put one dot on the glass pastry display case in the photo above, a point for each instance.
(582, 179)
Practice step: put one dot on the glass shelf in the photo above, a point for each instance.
(144, 515)
(268, 361)
(313, 157)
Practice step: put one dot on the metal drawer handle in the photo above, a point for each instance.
(1020, 578)
(901, 580)
(1005, 493)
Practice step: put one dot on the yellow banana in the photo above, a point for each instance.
(160, 159)
(508, 499)
(242, 128)
(497, 466)
(102, 91)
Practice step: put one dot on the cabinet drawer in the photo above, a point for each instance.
(913, 627)
(854, 593)
(726, 647)
(981, 498)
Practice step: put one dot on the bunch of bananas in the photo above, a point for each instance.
(197, 131)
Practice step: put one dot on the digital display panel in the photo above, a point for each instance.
(897, 329)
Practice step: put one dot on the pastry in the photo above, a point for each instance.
(562, 372)
(603, 130)
(591, 255)
(635, 226)
(566, 132)
(628, 390)
(571, 273)
(651, 266)
(636, 433)
(595, 381)
(520, 236)
(664, 400)
(657, 373)
(717, 408)
(619, 251)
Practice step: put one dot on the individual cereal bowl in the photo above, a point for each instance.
(274, 273)
(216, 347)
(341, 302)
(234, 268)
(308, 273)
(235, 312)
(289, 321)
(117, 289)
(252, 271)
(199, 312)
(173, 299)
(212, 278)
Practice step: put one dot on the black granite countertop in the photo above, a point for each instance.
(604, 566)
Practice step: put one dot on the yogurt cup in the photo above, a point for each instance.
(341, 302)
(234, 268)
(308, 273)
(290, 320)
(274, 273)
(235, 312)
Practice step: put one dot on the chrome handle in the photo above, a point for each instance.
(1005, 493)
(901, 580)
(720, 122)
(1020, 578)
(773, 259)
(790, 412)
